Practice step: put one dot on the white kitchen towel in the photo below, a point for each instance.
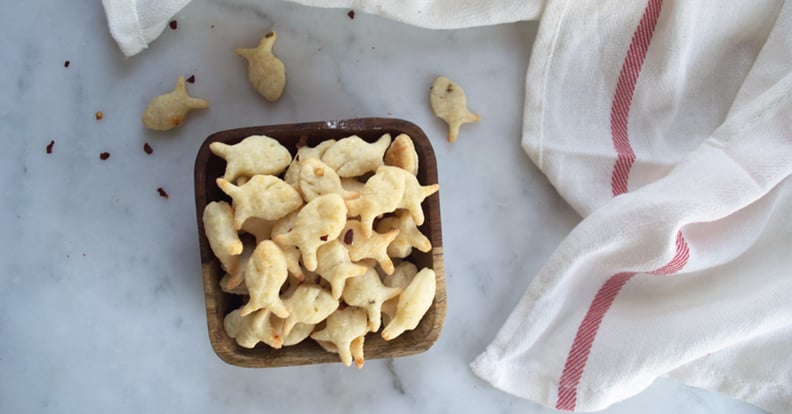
(668, 126)
(136, 23)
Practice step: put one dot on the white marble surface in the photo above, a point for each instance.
(101, 306)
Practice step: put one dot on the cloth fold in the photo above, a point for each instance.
(136, 23)
(666, 125)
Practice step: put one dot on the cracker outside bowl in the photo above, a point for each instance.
(208, 167)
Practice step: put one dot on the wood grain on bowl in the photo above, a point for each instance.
(208, 167)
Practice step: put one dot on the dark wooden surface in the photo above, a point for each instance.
(208, 167)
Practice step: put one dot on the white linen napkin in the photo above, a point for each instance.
(666, 124)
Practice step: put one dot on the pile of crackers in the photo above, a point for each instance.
(333, 229)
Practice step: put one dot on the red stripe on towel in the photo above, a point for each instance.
(587, 331)
(625, 89)
(620, 108)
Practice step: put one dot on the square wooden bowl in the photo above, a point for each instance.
(209, 167)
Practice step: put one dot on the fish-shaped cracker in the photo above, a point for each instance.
(352, 156)
(265, 274)
(374, 246)
(402, 154)
(218, 221)
(409, 235)
(309, 304)
(335, 266)
(381, 194)
(264, 196)
(343, 328)
(256, 154)
(319, 222)
(413, 304)
(292, 175)
(252, 329)
(169, 110)
(317, 178)
(368, 292)
(449, 103)
(266, 72)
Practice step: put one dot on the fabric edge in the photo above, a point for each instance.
(124, 25)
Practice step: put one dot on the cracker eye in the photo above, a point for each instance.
(349, 236)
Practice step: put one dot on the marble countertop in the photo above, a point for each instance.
(101, 299)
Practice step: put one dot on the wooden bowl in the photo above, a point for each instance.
(208, 167)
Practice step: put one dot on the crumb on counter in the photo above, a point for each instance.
(49, 146)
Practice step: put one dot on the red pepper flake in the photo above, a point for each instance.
(103, 156)
(191, 79)
(349, 236)
(323, 238)
(66, 64)
(162, 193)
(99, 115)
(351, 14)
(173, 24)
(147, 148)
(49, 146)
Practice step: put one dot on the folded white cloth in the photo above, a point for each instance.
(666, 124)
(136, 23)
